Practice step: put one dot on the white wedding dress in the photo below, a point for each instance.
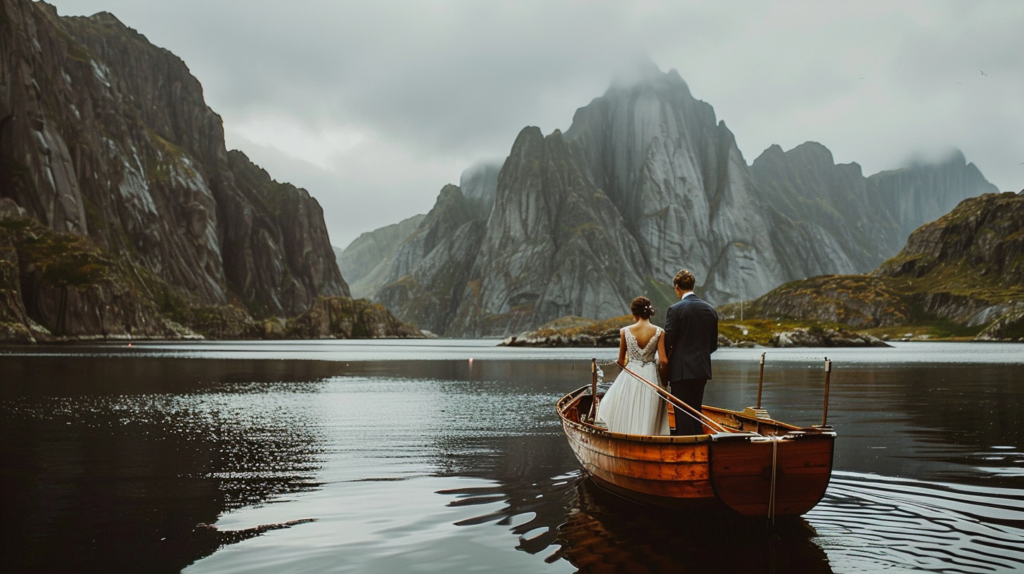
(630, 406)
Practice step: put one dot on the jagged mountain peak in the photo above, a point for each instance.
(816, 161)
(644, 74)
(644, 182)
(644, 95)
(479, 184)
(949, 155)
(104, 17)
(110, 23)
(810, 150)
(448, 193)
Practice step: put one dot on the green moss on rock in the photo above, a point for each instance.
(346, 318)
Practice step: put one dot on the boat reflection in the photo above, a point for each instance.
(604, 533)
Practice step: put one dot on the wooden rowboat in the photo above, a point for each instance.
(757, 467)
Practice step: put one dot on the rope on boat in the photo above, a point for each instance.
(697, 415)
(670, 398)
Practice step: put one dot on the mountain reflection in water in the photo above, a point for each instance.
(305, 458)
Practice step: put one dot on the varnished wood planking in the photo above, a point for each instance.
(742, 474)
(689, 465)
(685, 479)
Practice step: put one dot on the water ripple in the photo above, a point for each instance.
(868, 522)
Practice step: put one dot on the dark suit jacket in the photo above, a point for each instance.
(691, 335)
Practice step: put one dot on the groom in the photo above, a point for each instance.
(691, 335)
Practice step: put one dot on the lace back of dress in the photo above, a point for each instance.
(635, 353)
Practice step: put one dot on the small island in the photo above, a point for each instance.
(579, 332)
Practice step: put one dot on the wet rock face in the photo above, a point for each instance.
(681, 185)
(101, 118)
(431, 270)
(278, 253)
(104, 135)
(59, 285)
(552, 245)
(1009, 326)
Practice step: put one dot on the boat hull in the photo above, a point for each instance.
(765, 468)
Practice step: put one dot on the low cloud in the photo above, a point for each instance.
(392, 100)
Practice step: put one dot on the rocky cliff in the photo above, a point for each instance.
(829, 218)
(821, 213)
(964, 271)
(106, 137)
(681, 184)
(968, 266)
(550, 246)
(61, 285)
(365, 261)
(647, 181)
(923, 192)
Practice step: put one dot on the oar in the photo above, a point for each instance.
(593, 389)
(676, 401)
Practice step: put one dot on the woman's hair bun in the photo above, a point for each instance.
(642, 307)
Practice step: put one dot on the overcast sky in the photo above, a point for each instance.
(374, 106)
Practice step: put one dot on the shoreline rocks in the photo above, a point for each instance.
(577, 332)
(824, 338)
(346, 318)
(571, 332)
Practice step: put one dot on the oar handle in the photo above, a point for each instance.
(828, 379)
(760, 381)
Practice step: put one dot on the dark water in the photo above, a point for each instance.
(407, 457)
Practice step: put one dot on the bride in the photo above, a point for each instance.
(630, 406)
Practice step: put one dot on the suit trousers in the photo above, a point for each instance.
(691, 392)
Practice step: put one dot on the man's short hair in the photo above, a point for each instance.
(684, 280)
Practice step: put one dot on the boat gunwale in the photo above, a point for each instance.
(793, 431)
